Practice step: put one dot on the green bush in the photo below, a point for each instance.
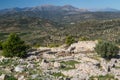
(69, 40)
(106, 49)
(14, 46)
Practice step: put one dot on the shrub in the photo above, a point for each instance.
(69, 40)
(14, 46)
(106, 49)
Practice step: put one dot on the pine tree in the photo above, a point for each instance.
(14, 46)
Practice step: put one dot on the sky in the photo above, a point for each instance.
(89, 4)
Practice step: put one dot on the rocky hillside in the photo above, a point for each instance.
(77, 62)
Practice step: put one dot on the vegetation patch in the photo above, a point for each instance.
(71, 62)
(10, 78)
(58, 74)
(101, 77)
(68, 65)
(95, 57)
(117, 67)
(8, 62)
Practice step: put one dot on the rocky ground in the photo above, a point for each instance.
(77, 62)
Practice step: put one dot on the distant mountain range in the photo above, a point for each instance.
(69, 8)
(61, 14)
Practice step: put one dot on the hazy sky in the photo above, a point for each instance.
(77, 3)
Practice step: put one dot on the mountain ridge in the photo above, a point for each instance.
(43, 8)
(54, 8)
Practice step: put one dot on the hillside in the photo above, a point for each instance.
(95, 29)
(30, 29)
(45, 32)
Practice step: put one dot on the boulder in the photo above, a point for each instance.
(19, 68)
